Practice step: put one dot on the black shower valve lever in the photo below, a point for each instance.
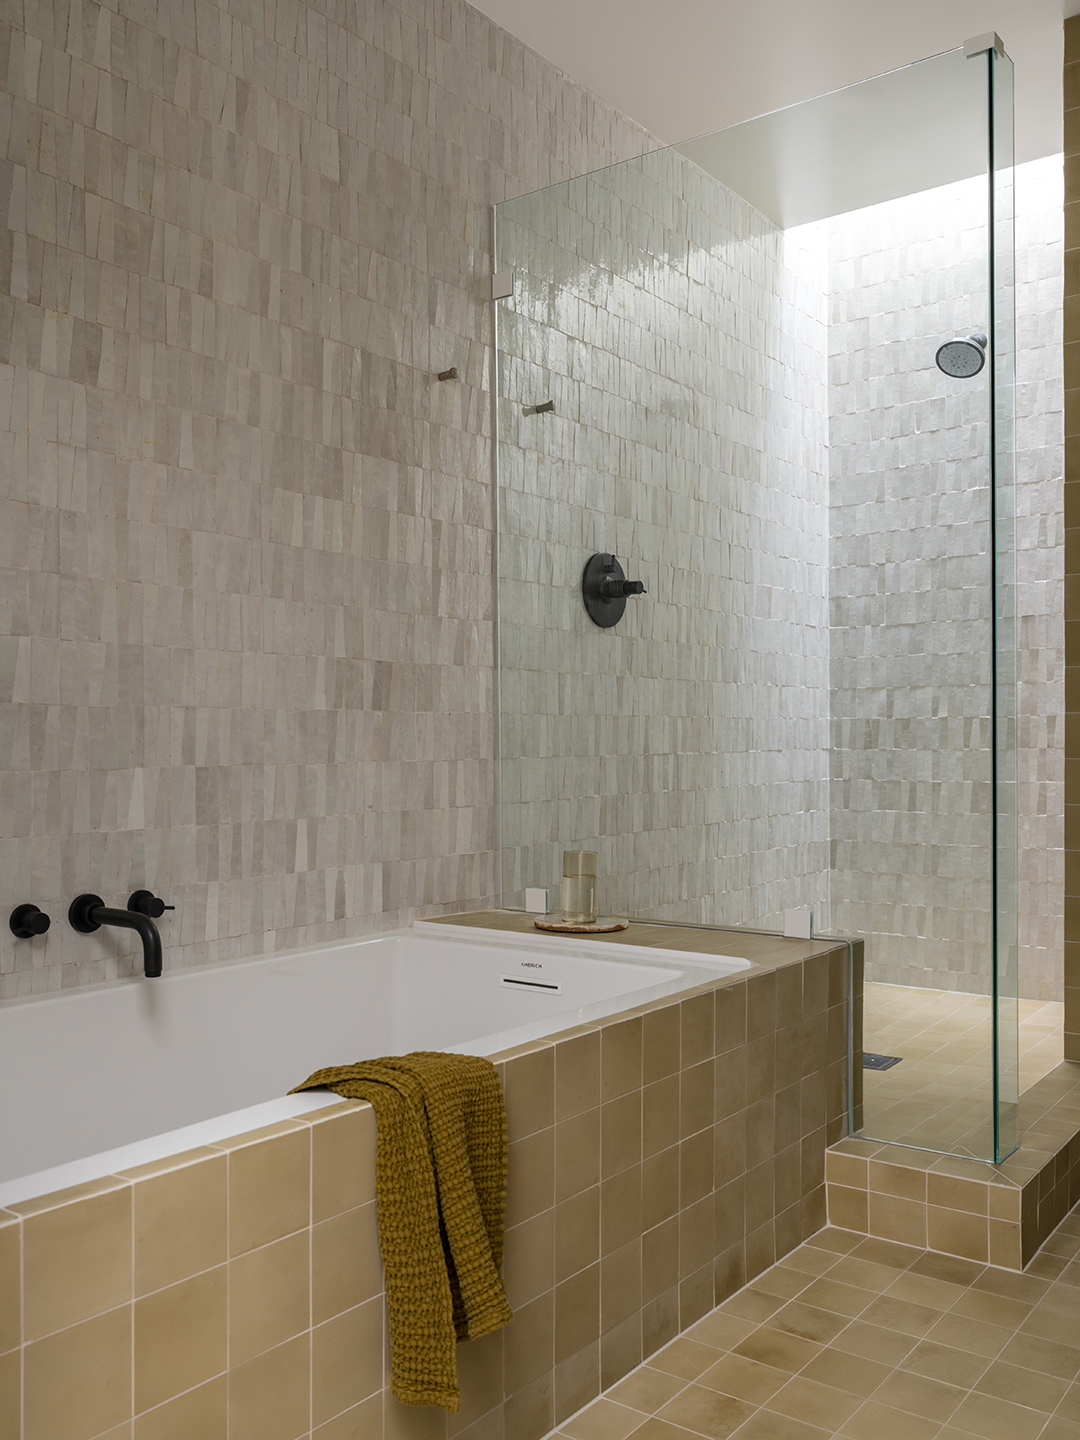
(611, 588)
(145, 902)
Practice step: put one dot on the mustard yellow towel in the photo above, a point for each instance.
(440, 1188)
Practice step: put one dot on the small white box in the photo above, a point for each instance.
(536, 901)
(798, 924)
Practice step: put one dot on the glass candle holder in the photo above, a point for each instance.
(579, 887)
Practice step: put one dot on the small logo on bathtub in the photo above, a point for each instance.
(531, 965)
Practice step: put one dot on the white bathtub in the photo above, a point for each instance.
(119, 1074)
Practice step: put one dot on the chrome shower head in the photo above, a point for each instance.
(962, 358)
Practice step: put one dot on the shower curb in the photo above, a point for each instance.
(995, 1214)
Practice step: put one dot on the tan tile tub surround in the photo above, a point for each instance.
(658, 1159)
(867, 1340)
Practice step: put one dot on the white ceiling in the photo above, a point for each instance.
(684, 67)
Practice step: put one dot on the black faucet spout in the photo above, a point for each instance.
(89, 912)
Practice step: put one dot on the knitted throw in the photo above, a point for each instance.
(440, 1189)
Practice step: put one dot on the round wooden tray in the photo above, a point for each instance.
(603, 925)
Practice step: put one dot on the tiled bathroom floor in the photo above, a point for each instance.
(939, 1095)
(861, 1338)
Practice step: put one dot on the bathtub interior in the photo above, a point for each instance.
(131, 1071)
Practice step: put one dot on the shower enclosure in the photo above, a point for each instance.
(718, 365)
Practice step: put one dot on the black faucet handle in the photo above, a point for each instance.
(27, 921)
(145, 902)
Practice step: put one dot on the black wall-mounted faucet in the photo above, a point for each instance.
(88, 913)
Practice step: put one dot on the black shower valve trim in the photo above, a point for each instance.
(27, 921)
(145, 902)
(604, 588)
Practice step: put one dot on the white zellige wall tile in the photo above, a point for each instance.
(246, 592)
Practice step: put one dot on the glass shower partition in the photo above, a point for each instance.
(718, 364)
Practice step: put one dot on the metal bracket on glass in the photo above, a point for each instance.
(979, 44)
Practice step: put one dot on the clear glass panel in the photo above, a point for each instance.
(1006, 739)
(738, 337)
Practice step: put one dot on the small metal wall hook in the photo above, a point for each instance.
(450, 374)
(547, 408)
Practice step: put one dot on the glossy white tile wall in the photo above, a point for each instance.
(688, 745)
(910, 603)
(1040, 575)
(682, 338)
(245, 537)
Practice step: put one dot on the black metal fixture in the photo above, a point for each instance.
(450, 374)
(879, 1062)
(27, 921)
(547, 408)
(88, 913)
(604, 588)
(147, 903)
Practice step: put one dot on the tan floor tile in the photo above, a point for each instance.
(901, 1369)
(1036, 1353)
(745, 1379)
(881, 1422)
(603, 1420)
(951, 1268)
(924, 1290)
(945, 1362)
(887, 1252)
(721, 1331)
(808, 1323)
(1060, 1429)
(991, 1309)
(851, 1373)
(768, 1425)
(684, 1357)
(706, 1412)
(862, 1273)
(1069, 1408)
(919, 1395)
(1023, 1387)
(901, 1315)
(782, 1282)
(873, 1342)
(995, 1419)
(809, 1261)
(655, 1429)
(752, 1305)
(815, 1404)
(646, 1389)
(771, 1347)
(974, 1335)
(830, 1294)
(943, 1039)
(841, 1241)
(1028, 1289)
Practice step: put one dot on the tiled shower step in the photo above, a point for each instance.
(996, 1214)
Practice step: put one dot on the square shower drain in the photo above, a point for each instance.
(879, 1062)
